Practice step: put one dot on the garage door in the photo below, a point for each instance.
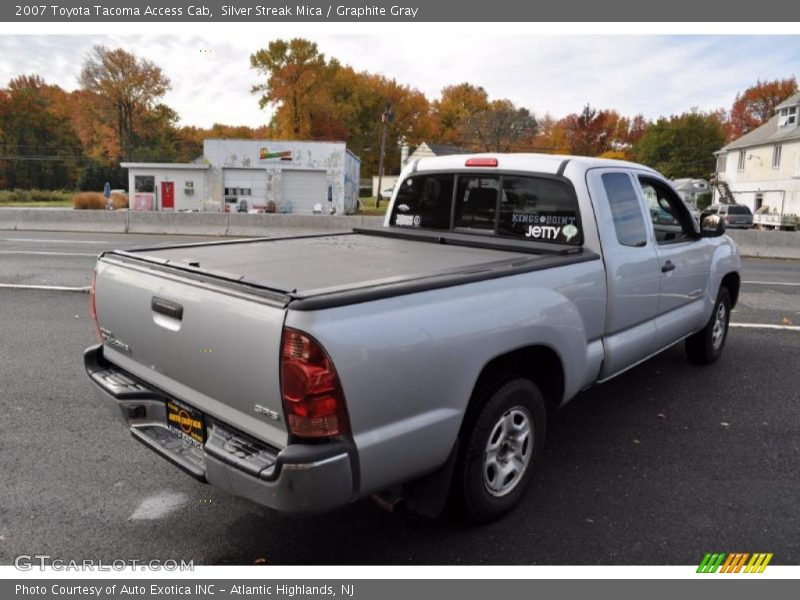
(301, 190)
(246, 182)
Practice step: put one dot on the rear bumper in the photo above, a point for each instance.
(297, 479)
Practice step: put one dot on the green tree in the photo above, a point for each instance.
(94, 176)
(703, 200)
(682, 145)
(158, 139)
(129, 88)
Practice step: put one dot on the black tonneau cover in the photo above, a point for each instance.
(322, 271)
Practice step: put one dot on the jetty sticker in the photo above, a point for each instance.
(543, 232)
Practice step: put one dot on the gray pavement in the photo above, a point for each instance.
(658, 466)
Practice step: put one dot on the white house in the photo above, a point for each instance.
(762, 168)
(424, 150)
(689, 189)
(254, 175)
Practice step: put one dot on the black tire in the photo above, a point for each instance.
(705, 347)
(511, 400)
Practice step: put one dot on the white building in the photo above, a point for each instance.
(254, 175)
(689, 189)
(762, 168)
(166, 186)
(424, 150)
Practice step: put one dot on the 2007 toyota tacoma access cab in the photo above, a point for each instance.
(418, 360)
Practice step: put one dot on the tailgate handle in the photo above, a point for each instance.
(167, 308)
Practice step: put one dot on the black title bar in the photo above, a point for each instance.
(712, 11)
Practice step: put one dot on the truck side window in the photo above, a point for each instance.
(539, 209)
(625, 209)
(424, 201)
(671, 219)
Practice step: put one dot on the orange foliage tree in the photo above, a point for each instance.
(127, 89)
(756, 105)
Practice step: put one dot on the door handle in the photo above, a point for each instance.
(668, 266)
(167, 308)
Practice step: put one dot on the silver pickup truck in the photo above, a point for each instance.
(418, 360)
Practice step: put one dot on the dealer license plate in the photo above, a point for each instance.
(186, 421)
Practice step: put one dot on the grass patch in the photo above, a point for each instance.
(367, 207)
(60, 199)
(41, 197)
(49, 204)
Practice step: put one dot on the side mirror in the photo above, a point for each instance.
(711, 225)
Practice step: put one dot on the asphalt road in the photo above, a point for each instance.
(658, 466)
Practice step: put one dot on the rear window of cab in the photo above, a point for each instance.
(536, 208)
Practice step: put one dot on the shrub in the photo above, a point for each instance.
(95, 175)
(703, 201)
(89, 200)
(119, 200)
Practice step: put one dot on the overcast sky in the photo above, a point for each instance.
(653, 75)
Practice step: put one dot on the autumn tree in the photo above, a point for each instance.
(296, 73)
(128, 87)
(590, 133)
(315, 98)
(756, 105)
(38, 146)
(457, 105)
(501, 127)
(357, 100)
(97, 133)
(682, 145)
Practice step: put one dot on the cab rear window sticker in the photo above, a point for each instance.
(407, 220)
(539, 219)
(551, 232)
(543, 232)
(569, 231)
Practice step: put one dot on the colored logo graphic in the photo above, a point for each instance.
(736, 562)
(265, 154)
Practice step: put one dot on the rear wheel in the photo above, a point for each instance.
(501, 445)
(705, 346)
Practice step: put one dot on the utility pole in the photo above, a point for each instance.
(386, 117)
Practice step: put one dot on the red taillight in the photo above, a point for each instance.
(93, 308)
(481, 162)
(312, 395)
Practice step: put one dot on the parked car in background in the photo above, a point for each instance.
(736, 216)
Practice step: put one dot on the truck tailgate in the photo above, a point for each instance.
(215, 350)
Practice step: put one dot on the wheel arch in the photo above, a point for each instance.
(538, 363)
(733, 282)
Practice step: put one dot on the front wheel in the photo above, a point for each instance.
(501, 445)
(705, 346)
